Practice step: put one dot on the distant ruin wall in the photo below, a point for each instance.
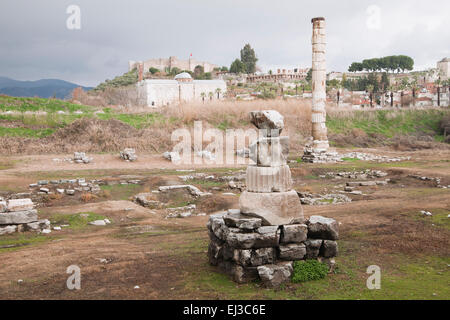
(173, 62)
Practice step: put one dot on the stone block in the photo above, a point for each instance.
(238, 273)
(274, 275)
(214, 253)
(322, 228)
(217, 226)
(264, 237)
(277, 208)
(313, 248)
(20, 205)
(3, 206)
(8, 230)
(38, 225)
(18, 217)
(262, 256)
(270, 120)
(267, 152)
(268, 179)
(294, 233)
(242, 257)
(238, 220)
(292, 251)
(329, 249)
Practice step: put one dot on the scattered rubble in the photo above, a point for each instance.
(426, 213)
(360, 175)
(128, 154)
(80, 157)
(318, 199)
(193, 190)
(172, 156)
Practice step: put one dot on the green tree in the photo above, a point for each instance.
(355, 66)
(199, 72)
(309, 75)
(237, 67)
(153, 70)
(248, 58)
(218, 91)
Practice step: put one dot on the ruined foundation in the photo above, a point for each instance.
(263, 238)
(18, 215)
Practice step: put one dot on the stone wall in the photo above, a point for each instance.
(17, 215)
(173, 62)
(246, 250)
(154, 92)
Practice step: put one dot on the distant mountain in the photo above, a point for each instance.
(44, 88)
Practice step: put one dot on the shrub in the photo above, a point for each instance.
(309, 270)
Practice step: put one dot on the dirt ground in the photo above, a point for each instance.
(166, 258)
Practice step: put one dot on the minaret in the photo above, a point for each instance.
(319, 113)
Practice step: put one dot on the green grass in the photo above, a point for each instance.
(139, 121)
(25, 132)
(389, 123)
(17, 104)
(308, 270)
(16, 241)
(121, 191)
(75, 221)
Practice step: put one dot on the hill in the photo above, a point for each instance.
(44, 88)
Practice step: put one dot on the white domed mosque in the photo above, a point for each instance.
(182, 89)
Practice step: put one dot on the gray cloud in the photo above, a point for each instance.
(35, 42)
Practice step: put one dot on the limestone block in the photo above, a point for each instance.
(3, 206)
(18, 217)
(267, 152)
(241, 221)
(322, 228)
(270, 120)
(329, 249)
(277, 208)
(268, 179)
(263, 238)
(262, 256)
(38, 225)
(242, 257)
(273, 275)
(20, 205)
(7, 230)
(313, 248)
(217, 226)
(238, 273)
(294, 233)
(214, 253)
(292, 251)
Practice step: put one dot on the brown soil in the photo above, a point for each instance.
(144, 249)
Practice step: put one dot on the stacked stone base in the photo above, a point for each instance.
(18, 215)
(241, 247)
(313, 155)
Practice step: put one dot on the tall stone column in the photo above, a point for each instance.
(319, 114)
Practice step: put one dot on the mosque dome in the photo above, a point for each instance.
(184, 76)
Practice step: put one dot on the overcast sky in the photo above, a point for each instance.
(36, 43)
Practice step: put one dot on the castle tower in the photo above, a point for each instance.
(319, 74)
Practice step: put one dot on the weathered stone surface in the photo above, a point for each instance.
(20, 205)
(263, 256)
(38, 225)
(238, 220)
(242, 257)
(322, 228)
(214, 253)
(292, 251)
(312, 248)
(18, 217)
(217, 226)
(128, 154)
(293, 233)
(268, 179)
(8, 229)
(267, 152)
(238, 273)
(274, 275)
(264, 237)
(3, 206)
(275, 208)
(270, 120)
(329, 249)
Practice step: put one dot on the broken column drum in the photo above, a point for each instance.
(318, 117)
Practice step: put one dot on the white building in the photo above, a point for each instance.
(444, 68)
(161, 92)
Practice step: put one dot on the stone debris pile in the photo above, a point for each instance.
(244, 248)
(436, 180)
(19, 215)
(172, 156)
(318, 199)
(312, 155)
(65, 186)
(80, 157)
(360, 175)
(128, 154)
